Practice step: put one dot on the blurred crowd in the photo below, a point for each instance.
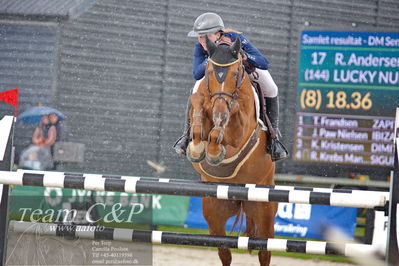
(40, 153)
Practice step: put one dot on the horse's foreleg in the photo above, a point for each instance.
(216, 213)
(196, 148)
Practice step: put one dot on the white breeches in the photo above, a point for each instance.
(265, 81)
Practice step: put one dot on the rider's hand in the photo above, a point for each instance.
(202, 41)
(244, 55)
(248, 66)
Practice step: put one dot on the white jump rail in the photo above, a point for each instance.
(220, 191)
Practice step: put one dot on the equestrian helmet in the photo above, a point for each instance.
(206, 23)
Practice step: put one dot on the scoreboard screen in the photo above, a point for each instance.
(347, 94)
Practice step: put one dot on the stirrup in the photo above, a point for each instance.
(181, 144)
(277, 150)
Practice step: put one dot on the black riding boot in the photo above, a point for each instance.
(275, 147)
(181, 144)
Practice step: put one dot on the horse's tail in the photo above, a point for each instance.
(250, 229)
(239, 218)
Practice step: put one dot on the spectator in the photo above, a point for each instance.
(61, 127)
(45, 133)
(38, 155)
(62, 134)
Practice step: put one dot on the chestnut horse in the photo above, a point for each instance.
(228, 145)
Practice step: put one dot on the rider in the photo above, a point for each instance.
(211, 24)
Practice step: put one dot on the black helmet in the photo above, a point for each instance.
(206, 23)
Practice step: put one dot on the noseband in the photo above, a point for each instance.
(221, 94)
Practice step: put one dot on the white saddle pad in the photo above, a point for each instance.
(257, 108)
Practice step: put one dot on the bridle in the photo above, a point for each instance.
(213, 96)
(221, 94)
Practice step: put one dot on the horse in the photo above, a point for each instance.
(228, 145)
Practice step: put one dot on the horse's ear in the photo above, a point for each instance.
(210, 46)
(236, 47)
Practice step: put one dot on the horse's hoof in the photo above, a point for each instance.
(218, 159)
(195, 153)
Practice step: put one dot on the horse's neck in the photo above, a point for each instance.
(244, 122)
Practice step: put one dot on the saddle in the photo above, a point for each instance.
(263, 110)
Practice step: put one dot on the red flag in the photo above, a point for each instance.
(10, 97)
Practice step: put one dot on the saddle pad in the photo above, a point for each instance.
(257, 108)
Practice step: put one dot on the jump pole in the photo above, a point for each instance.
(160, 237)
(219, 191)
(186, 181)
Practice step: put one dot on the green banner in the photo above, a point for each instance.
(111, 207)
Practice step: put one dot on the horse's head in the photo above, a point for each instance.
(224, 76)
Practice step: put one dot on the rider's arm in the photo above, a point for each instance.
(199, 62)
(52, 136)
(255, 57)
(37, 137)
